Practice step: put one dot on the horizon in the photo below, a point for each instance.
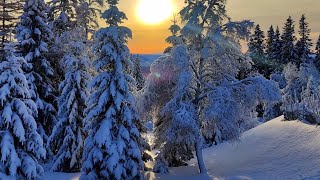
(150, 38)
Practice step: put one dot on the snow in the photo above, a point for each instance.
(277, 149)
(113, 146)
(61, 176)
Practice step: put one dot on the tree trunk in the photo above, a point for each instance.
(201, 165)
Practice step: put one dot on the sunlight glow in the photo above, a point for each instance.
(154, 11)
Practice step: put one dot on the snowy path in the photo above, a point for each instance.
(274, 150)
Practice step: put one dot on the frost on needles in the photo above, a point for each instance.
(21, 145)
(68, 133)
(111, 150)
(33, 35)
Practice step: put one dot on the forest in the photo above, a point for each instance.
(74, 99)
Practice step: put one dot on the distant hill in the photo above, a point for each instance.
(146, 60)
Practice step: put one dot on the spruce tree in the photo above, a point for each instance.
(270, 42)
(137, 73)
(270, 62)
(317, 58)
(68, 133)
(87, 13)
(256, 52)
(111, 150)
(21, 144)
(62, 20)
(277, 45)
(176, 130)
(304, 43)
(33, 34)
(66, 14)
(287, 49)
(174, 39)
(63, 14)
(256, 44)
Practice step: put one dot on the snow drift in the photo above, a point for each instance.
(277, 149)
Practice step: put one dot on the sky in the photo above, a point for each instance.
(150, 39)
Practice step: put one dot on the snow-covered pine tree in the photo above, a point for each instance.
(62, 14)
(68, 133)
(269, 42)
(135, 87)
(160, 165)
(288, 53)
(33, 34)
(112, 147)
(87, 12)
(298, 80)
(137, 73)
(208, 46)
(60, 49)
(176, 129)
(304, 43)
(175, 29)
(214, 52)
(277, 45)
(159, 88)
(256, 44)
(21, 145)
(70, 20)
(317, 58)
(61, 18)
(310, 101)
(66, 14)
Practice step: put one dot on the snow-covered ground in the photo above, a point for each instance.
(275, 150)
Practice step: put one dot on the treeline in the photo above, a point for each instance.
(272, 50)
(293, 63)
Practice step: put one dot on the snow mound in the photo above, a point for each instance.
(275, 150)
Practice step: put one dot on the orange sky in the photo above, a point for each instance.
(149, 39)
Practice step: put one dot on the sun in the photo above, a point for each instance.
(154, 11)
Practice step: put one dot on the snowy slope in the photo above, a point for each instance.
(274, 150)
